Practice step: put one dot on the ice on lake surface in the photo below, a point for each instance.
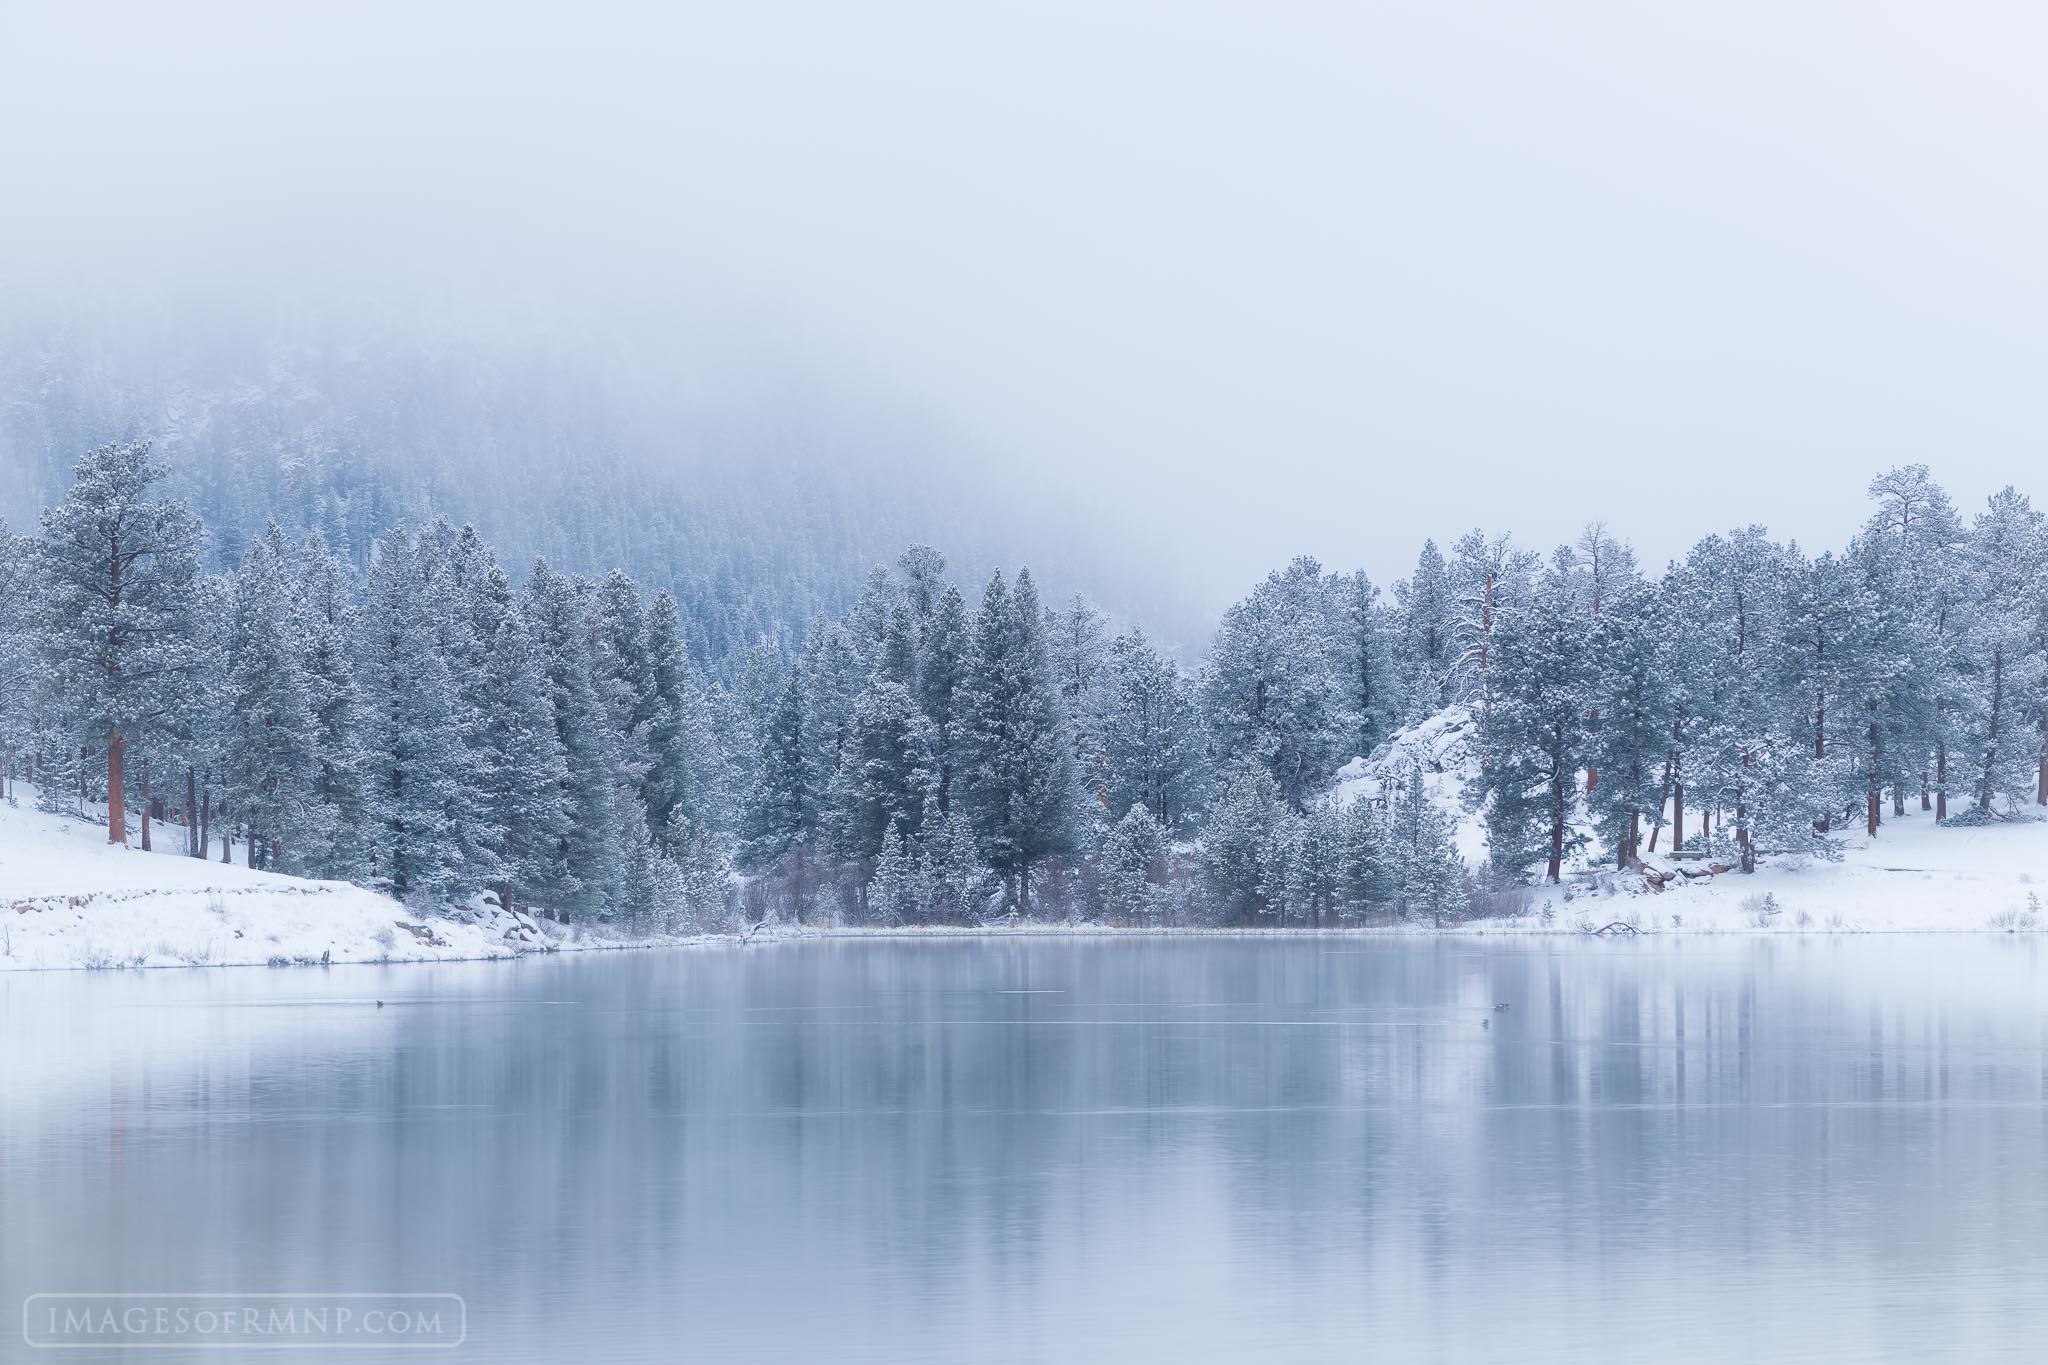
(1299, 1148)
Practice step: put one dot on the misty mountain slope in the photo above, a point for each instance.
(760, 494)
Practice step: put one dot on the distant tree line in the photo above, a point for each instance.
(431, 727)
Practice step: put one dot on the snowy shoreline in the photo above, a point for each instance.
(69, 900)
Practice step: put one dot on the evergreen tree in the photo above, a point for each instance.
(941, 670)
(113, 619)
(784, 809)
(1488, 578)
(340, 791)
(2003, 672)
(1371, 698)
(686, 776)
(521, 772)
(887, 776)
(1365, 871)
(1079, 651)
(1236, 843)
(924, 579)
(1272, 691)
(1428, 639)
(1151, 744)
(17, 669)
(1016, 760)
(623, 673)
(415, 728)
(1631, 729)
(1428, 875)
(1542, 686)
(589, 860)
(273, 759)
(1128, 862)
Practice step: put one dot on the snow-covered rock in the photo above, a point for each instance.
(1444, 746)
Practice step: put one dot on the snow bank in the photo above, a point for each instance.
(68, 898)
(1915, 875)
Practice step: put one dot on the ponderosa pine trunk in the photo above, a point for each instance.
(117, 808)
(1557, 786)
(1664, 798)
(2041, 767)
(146, 812)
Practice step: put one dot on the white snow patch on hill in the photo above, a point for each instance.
(1444, 747)
(68, 898)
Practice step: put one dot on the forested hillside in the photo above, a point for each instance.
(758, 493)
(444, 723)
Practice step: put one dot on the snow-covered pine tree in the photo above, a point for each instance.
(2003, 669)
(833, 674)
(784, 806)
(702, 863)
(622, 671)
(1079, 649)
(893, 893)
(898, 660)
(1606, 566)
(1488, 577)
(199, 755)
(1427, 642)
(1535, 742)
(17, 668)
(1128, 860)
(1366, 878)
(1237, 842)
(520, 772)
(950, 871)
(1827, 613)
(866, 625)
(886, 776)
(941, 669)
(455, 568)
(924, 579)
(1017, 762)
(1364, 662)
(113, 619)
(1630, 726)
(589, 865)
(272, 755)
(687, 777)
(1734, 588)
(1918, 538)
(1272, 692)
(330, 625)
(1151, 737)
(1305, 874)
(1429, 877)
(415, 727)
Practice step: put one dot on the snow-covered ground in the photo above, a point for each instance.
(70, 899)
(1914, 875)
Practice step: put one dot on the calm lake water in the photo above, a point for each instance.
(1066, 1149)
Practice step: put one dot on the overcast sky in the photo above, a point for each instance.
(1277, 277)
